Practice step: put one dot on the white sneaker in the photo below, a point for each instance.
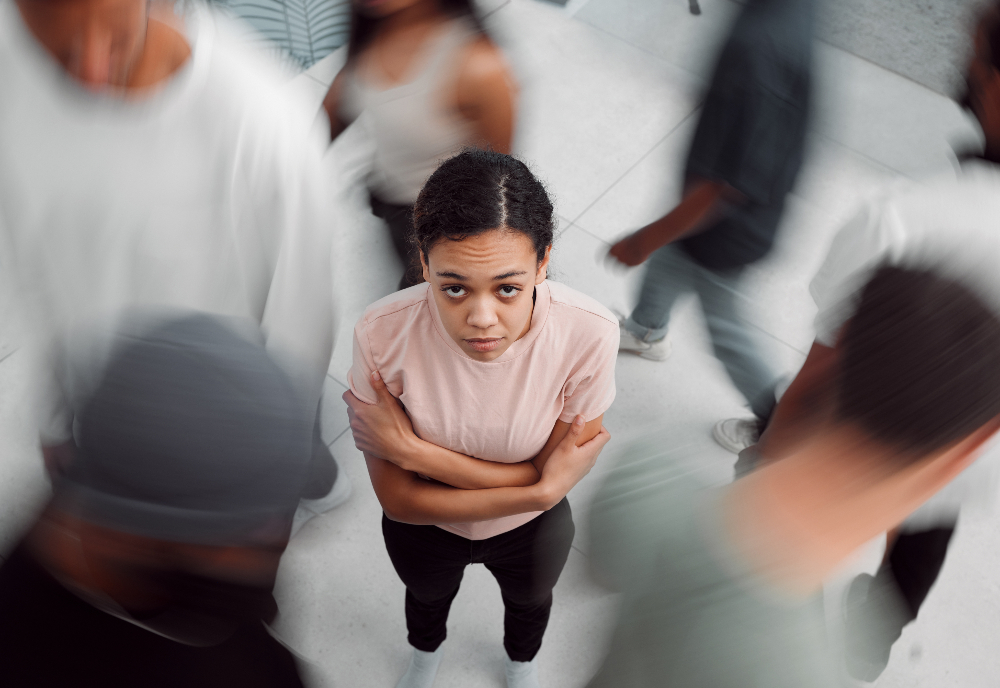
(308, 508)
(521, 674)
(736, 434)
(422, 670)
(654, 351)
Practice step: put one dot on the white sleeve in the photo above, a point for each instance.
(873, 237)
(298, 319)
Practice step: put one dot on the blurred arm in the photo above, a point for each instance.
(699, 204)
(487, 95)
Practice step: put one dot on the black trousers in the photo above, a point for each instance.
(526, 563)
(400, 221)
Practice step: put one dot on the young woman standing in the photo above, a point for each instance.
(430, 82)
(477, 399)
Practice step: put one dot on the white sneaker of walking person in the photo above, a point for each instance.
(308, 508)
(658, 350)
(736, 434)
(422, 670)
(521, 674)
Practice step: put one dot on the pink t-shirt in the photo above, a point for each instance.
(501, 410)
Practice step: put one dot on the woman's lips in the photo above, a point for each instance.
(484, 345)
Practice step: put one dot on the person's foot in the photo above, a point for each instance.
(521, 674)
(736, 434)
(308, 508)
(422, 670)
(874, 616)
(654, 351)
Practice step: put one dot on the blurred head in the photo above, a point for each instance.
(983, 78)
(366, 15)
(483, 225)
(98, 42)
(192, 436)
(919, 365)
(193, 451)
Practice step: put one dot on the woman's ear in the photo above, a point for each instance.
(423, 266)
(543, 267)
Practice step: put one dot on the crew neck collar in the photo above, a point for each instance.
(539, 315)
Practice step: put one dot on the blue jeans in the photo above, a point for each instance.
(740, 347)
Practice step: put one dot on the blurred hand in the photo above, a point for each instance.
(631, 250)
(382, 429)
(569, 463)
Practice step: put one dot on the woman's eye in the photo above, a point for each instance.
(454, 291)
(508, 291)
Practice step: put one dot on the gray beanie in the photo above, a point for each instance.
(193, 434)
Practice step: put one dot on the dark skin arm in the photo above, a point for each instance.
(702, 200)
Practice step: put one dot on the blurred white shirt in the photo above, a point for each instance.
(205, 193)
(953, 225)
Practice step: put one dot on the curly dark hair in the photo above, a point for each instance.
(477, 191)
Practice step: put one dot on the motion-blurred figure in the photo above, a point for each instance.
(429, 82)
(745, 156)
(154, 562)
(953, 221)
(151, 159)
(720, 585)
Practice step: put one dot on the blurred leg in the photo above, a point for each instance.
(738, 345)
(668, 275)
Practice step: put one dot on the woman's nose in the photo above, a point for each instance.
(482, 315)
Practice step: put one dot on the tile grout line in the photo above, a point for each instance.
(645, 155)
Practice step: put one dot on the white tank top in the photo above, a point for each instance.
(415, 125)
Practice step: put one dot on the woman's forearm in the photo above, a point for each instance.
(407, 498)
(465, 472)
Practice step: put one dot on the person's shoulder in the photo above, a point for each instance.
(396, 309)
(568, 302)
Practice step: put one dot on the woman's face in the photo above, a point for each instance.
(483, 287)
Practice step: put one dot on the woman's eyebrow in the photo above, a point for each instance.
(451, 275)
(512, 273)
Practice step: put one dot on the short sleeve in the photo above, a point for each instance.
(591, 388)
(362, 366)
(867, 241)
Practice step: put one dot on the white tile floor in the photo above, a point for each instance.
(609, 96)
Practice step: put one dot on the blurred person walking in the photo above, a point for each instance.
(743, 161)
(720, 586)
(953, 221)
(148, 158)
(154, 562)
(502, 380)
(429, 82)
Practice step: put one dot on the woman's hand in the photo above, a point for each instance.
(382, 429)
(568, 463)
